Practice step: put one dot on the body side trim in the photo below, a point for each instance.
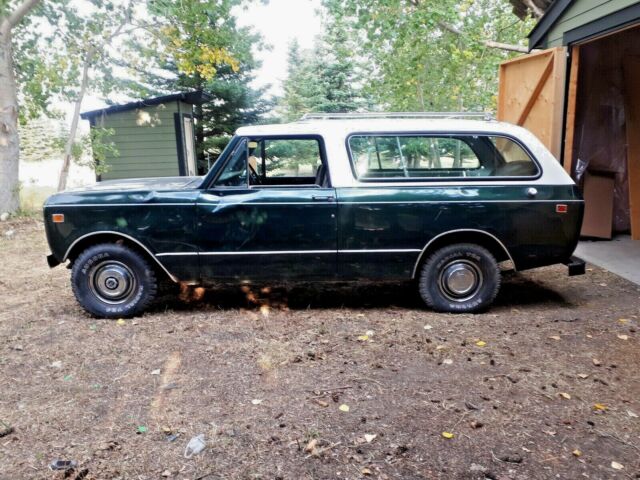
(293, 252)
(310, 203)
(124, 235)
(461, 230)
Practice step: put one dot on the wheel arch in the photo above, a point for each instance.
(469, 235)
(106, 236)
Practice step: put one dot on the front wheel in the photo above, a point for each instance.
(459, 278)
(112, 281)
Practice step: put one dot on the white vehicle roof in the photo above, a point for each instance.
(335, 131)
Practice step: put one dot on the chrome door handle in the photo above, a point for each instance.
(323, 198)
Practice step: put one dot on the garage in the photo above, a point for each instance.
(579, 92)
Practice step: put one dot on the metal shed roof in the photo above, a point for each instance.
(197, 97)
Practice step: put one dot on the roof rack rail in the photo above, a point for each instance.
(363, 115)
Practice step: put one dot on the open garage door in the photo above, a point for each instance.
(532, 94)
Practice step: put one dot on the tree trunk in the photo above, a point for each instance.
(9, 140)
(68, 149)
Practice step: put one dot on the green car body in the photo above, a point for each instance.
(200, 230)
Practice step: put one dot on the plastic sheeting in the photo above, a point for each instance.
(600, 141)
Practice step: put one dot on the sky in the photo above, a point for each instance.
(279, 22)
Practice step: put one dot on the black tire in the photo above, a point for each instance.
(459, 278)
(111, 280)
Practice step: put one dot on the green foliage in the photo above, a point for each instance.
(39, 139)
(427, 55)
(327, 79)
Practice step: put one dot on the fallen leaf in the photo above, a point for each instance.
(447, 361)
(596, 362)
(577, 453)
(617, 466)
(311, 445)
(366, 471)
(632, 414)
(156, 372)
(121, 321)
(583, 375)
(600, 406)
(554, 337)
(344, 407)
(623, 320)
(264, 310)
(481, 343)
(322, 403)
(363, 338)
(448, 435)
(440, 347)
(565, 395)
(370, 437)
(255, 401)
(623, 337)
(549, 432)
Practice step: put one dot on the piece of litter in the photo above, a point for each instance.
(56, 364)
(427, 327)
(447, 361)
(63, 465)
(448, 435)
(481, 343)
(155, 372)
(195, 446)
(256, 401)
(370, 437)
(623, 337)
(121, 321)
(600, 407)
(632, 414)
(363, 338)
(554, 337)
(617, 466)
(577, 453)
(142, 429)
(344, 407)
(565, 395)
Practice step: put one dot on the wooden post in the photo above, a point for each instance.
(571, 109)
(632, 113)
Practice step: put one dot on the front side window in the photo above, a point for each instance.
(274, 162)
(422, 156)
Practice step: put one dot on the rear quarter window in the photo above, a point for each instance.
(389, 156)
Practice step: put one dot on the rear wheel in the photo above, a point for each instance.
(112, 281)
(459, 278)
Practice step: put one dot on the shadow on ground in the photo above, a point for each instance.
(517, 290)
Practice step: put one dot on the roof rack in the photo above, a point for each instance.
(433, 115)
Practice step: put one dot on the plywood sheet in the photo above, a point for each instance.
(532, 94)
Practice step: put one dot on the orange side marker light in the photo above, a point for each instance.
(57, 218)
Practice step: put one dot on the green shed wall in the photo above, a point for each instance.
(582, 12)
(145, 139)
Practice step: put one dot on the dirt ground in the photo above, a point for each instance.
(544, 385)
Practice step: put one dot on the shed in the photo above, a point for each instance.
(153, 137)
(578, 91)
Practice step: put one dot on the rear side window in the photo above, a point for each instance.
(427, 156)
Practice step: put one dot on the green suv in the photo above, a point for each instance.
(442, 199)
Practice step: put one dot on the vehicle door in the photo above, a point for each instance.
(270, 213)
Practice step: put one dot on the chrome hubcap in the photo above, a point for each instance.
(460, 280)
(112, 282)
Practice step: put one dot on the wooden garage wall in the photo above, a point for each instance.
(531, 94)
(582, 12)
(145, 140)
